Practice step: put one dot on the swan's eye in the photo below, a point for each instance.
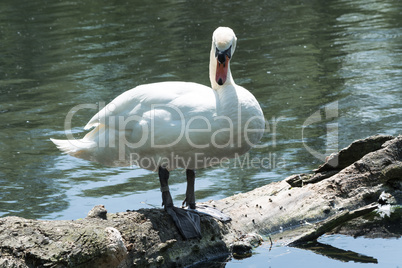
(221, 55)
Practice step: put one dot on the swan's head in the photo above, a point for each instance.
(223, 47)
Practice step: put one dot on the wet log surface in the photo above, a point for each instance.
(367, 175)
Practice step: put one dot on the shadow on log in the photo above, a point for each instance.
(330, 196)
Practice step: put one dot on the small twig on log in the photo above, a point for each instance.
(270, 240)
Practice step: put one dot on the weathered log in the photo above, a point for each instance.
(148, 237)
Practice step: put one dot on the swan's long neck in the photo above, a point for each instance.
(212, 72)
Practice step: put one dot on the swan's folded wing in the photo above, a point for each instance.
(182, 96)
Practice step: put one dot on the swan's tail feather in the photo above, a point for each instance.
(78, 148)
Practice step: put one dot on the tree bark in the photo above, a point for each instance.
(148, 237)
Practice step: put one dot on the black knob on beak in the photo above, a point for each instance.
(221, 55)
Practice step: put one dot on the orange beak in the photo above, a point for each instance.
(222, 71)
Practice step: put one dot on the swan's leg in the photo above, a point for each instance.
(163, 179)
(203, 209)
(187, 222)
(190, 195)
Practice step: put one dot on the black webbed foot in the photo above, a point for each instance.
(187, 222)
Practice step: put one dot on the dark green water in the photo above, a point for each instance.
(297, 57)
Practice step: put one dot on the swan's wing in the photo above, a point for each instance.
(184, 97)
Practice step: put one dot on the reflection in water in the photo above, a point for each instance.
(295, 58)
(338, 254)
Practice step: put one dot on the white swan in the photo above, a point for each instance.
(172, 125)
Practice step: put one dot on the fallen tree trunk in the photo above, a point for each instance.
(148, 237)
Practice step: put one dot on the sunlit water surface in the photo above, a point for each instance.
(296, 57)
